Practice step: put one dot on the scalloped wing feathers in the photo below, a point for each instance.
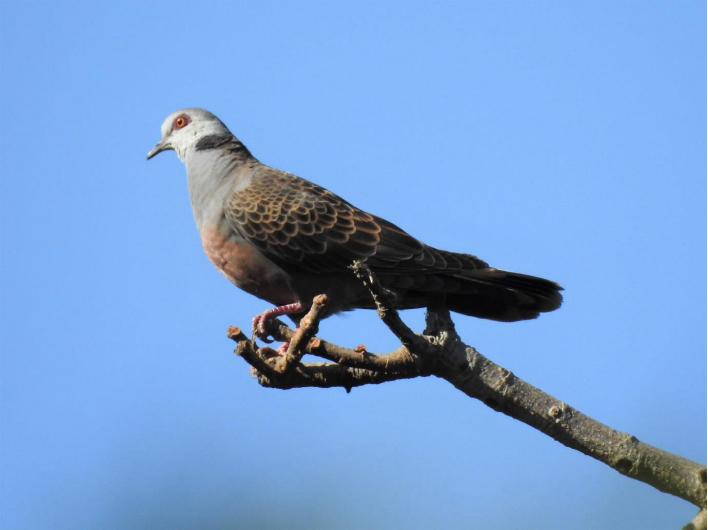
(298, 223)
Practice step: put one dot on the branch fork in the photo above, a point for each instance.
(347, 367)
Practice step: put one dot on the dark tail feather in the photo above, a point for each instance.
(504, 296)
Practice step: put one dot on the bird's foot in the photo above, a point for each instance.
(260, 321)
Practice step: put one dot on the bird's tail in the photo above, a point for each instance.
(501, 295)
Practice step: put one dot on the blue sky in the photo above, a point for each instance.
(565, 140)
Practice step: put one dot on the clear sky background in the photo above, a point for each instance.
(561, 139)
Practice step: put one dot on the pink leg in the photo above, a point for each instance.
(283, 348)
(260, 321)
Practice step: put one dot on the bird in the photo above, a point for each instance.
(286, 240)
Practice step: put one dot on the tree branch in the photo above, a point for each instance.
(440, 352)
(302, 335)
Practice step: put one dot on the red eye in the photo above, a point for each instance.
(180, 121)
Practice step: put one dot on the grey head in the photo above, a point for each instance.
(183, 129)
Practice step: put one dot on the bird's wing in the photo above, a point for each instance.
(296, 223)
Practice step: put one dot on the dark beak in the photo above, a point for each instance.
(163, 145)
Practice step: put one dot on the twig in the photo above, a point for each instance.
(385, 307)
(302, 335)
(328, 375)
(246, 348)
(396, 361)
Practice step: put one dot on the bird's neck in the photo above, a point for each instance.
(213, 175)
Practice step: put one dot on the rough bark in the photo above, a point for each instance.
(439, 351)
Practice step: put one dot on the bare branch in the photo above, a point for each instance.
(500, 389)
(302, 335)
(396, 361)
(385, 307)
(320, 375)
(440, 352)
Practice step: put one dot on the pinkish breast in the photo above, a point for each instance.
(246, 267)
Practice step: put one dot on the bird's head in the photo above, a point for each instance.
(182, 129)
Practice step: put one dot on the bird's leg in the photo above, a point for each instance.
(283, 348)
(260, 321)
(280, 351)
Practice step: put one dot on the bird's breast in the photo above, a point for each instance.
(247, 267)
